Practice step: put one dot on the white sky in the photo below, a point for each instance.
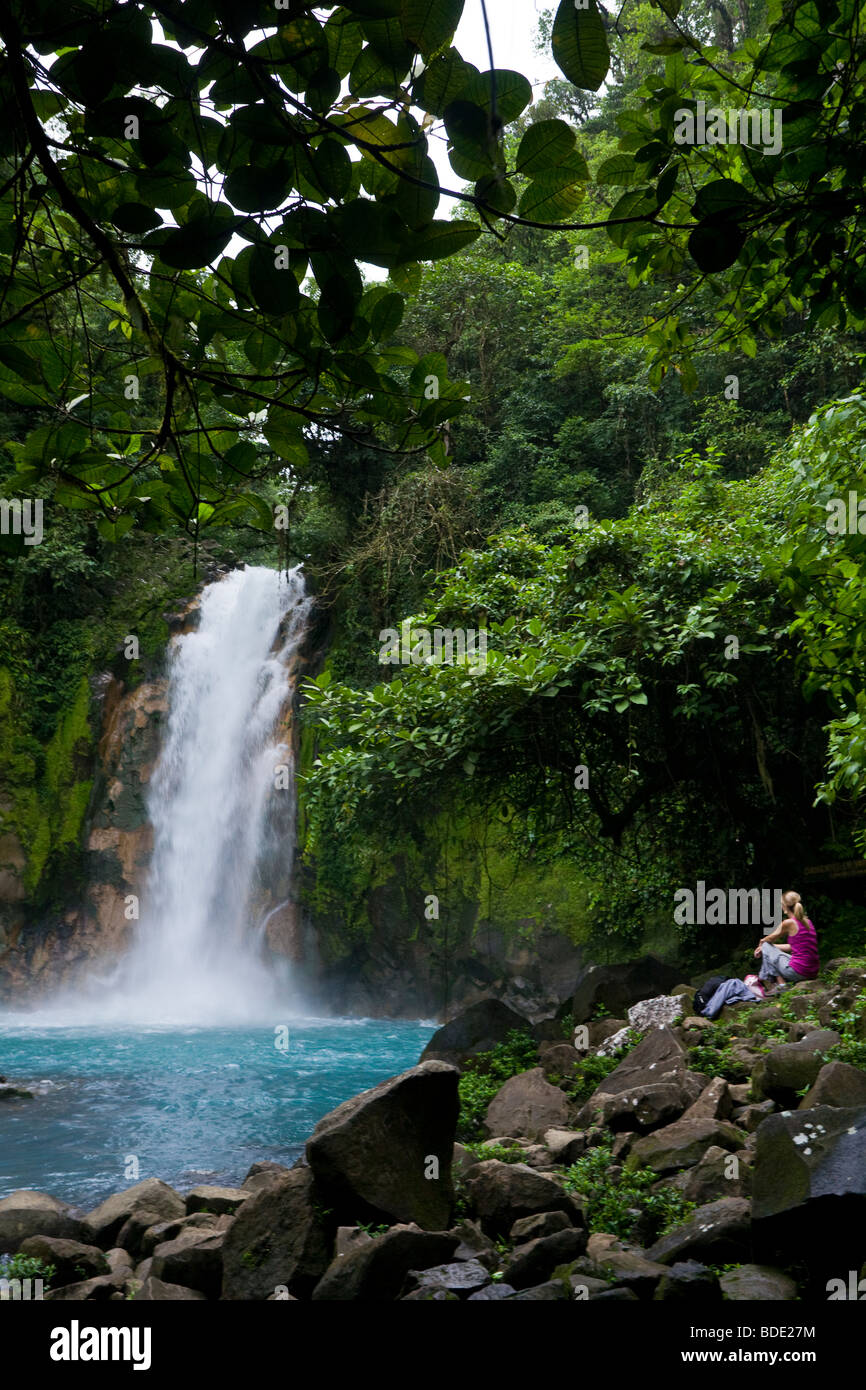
(513, 29)
(513, 25)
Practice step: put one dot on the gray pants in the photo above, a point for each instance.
(775, 962)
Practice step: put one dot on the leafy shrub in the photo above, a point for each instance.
(26, 1267)
(620, 1207)
(505, 1153)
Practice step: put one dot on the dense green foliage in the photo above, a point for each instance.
(499, 442)
(627, 1208)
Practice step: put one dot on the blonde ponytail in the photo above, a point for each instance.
(793, 905)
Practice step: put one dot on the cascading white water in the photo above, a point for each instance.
(212, 803)
(221, 803)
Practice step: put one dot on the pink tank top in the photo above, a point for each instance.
(804, 951)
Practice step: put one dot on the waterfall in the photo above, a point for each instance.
(221, 800)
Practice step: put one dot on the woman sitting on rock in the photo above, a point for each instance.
(795, 957)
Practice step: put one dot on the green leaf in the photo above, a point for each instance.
(387, 316)
(287, 442)
(442, 82)
(333, 168)
(113, 530)
(441, 239)
(430, 23)
(262, 349)
(619, 169)
(669, 7)
(551, 198)
(509, 91)
(580, 45)
(715, 248)
(373, 75)
(497, 193)
(544, 146)
(721, 196)
(198, 243)
(136, 217)
(273, 285)
(345, 41)
(255, 188)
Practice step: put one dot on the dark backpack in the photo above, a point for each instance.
(705, 992)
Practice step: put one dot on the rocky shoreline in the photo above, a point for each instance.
(661, 1158)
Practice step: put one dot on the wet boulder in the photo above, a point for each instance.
(193, 1260)
(25, 1213)
(758, 1283)
(717, 1233)
(279, 1239)
(617, 987)
(377, 1272)
(219, 1201)
(502, 1193)
(809, 1191)
(683, 1144)
(836, 1084)
(72, 1260)
(786, 1069)
(652, 1086)
(525, 1106)
(476, 1029)
(386, 1154)
(104, 1223)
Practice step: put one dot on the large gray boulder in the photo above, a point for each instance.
(25, 1213)
(264, 1174)
(501, 1193)
(719, 1173)
(839, 1084)
(715, 1234)
(651, 1087)
(461, 1278)
(714, 1103)
(617, 987)
(787, 1068)
(535, 1260)
(525, 1106)
(476, 1029)
(758, 1284)
(376, 1273)
(193, 1260)
(96, 1290)
(72, 1260)
(683, 1144)
(103, 1224)
(279, 1239)
(219, 1201)
(809, 1191)
(387, 1152)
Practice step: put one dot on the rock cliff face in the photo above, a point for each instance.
(38, 954)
